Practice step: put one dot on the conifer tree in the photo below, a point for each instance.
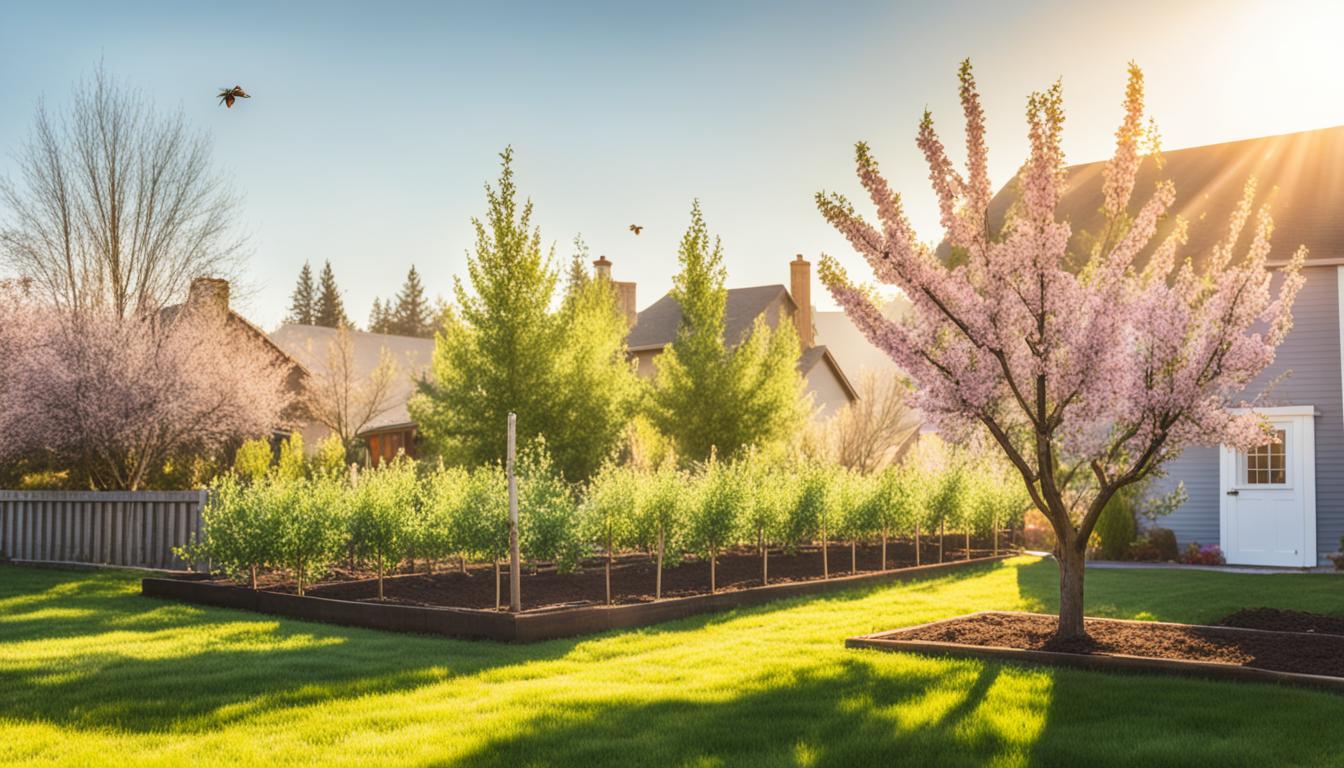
(379, 320)
(708, 395)
(302, 303)
(503, 348)
(412, 314)
(330, 309)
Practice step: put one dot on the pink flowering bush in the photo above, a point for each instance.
(114, 398)
(1087, 379)
(1209, 554)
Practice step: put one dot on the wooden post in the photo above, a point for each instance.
(515, 566)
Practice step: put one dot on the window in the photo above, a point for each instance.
(1267, 464)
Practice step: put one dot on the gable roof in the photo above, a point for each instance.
(309, 344)
(1300, 174)
(657, 325)
(819, 354)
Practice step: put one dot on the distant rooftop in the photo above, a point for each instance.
(658, 323)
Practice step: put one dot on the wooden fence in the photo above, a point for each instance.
(136, 529)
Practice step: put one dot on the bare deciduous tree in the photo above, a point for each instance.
(342, 398)
(116, 205)
(877, 429)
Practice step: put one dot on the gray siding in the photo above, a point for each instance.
(1309, 362)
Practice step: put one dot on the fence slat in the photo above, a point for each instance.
(119, 528)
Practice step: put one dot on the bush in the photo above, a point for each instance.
(607, 515)
(382, 514)
(238, 530)
(310, 526)
(252, 461)
(720, 503)
(548, 515)
(660, 517)
(1116, 528)
(1157, 545)
(1207, 555)
(442, 505)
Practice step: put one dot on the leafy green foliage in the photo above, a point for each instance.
(547, 512)
(252, 461)
(443, 509)
(291, 464)
(712, 394)
(503, 349)
(721, 501)
(310, 526)
(329, 460)
(383, 515)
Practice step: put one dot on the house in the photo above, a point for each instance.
(656, 326)
(1281, 505)
(211, 295)
(390, 429)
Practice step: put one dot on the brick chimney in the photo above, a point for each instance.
(800, 288)
(625, 292)
(209, 294)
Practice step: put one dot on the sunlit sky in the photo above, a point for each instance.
(373, 126)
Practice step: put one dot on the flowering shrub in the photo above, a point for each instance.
(1207, 555)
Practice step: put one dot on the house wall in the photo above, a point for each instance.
(828, 396)
(1309, 362)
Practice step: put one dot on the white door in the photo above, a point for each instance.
(1268, 514)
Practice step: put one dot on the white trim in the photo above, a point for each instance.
(1280, 410)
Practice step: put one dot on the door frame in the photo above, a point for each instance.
(1302, 452)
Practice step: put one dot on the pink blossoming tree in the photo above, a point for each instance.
(1087, 379)
(114, 398)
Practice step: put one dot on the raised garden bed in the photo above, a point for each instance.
(1274, 650)
(532, 624)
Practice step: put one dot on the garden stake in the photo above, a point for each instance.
(884, 548)
(515, 567)
(853, 556)
(658, 578)
(917, 542)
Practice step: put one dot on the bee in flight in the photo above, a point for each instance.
(227, 95)
(636, 228)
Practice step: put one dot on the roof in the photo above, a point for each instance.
(309, 344)
(169, 313)
(818, 354)
(1305, 170)
(657, 325)
(851, 349)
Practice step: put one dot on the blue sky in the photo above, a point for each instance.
(374, 126)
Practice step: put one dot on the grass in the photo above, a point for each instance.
(91, 673)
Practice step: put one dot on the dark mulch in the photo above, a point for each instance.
(1284, 621)
(1317, 654)
(632, 578)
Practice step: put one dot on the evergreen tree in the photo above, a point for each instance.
(379, 319)
(412, 315)
(302, 303)
(502, 348)
(708, 395)
(330, 309)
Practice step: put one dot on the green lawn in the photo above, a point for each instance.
(91, 674)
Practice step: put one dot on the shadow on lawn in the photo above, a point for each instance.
(847, 714)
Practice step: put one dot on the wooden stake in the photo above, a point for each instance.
(658, 579)
(515, 565)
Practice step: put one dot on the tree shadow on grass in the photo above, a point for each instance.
(851, 713)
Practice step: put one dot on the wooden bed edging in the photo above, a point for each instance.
(887, 641)
(525, 627)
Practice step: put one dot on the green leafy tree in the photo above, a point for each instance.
(310, 526)
(947, 501)
(291, 464)
(412, 314)
(547, 513)
(329, 459)
(661, 518)
(443, 505)
(811, 517)
(238, 533)
(607, 515)
(382, 513)
(855, 519)
(303, 302)
(768, 505)
(712, 393)
(252, 460)
(329, 311)
(503, 348)
(895, 502)
(721, 499)
(484, 521)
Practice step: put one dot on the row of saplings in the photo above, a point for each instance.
(404, 510)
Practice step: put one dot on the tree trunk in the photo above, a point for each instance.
(968, 544)
(825, 563)
(765, 566)
(917, 560)
(996, 538)
(942, 538)
(713, 555)
(608, 575)
(496, 583)
(298, 577)
(1071, 566)
(853, 557)
(380, 577)
(884, 549)
(253, 570)
(658, 578)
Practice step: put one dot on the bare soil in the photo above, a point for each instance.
(1284, 651)
(632, 577)
(1284, 621)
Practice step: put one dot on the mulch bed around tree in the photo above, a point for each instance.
(632, 578)
(1282, 651)
(1284, 621)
